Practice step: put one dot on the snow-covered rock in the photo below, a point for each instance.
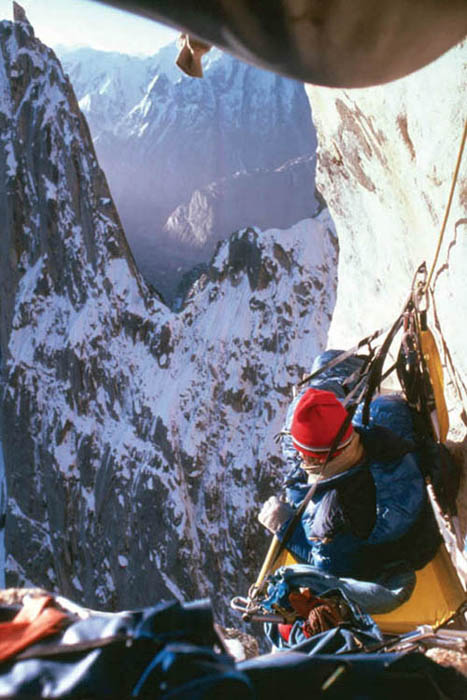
(109, 84)
(254, 198)
(138, 442)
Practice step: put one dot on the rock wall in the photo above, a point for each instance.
(386, 159)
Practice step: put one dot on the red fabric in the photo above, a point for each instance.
(303, 601)
(317, 419)
(284, 631)
(33, 622)
(320, 614)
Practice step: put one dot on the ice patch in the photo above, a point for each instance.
(11, 162)
(77, 584)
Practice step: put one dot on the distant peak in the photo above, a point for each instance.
(19, 15)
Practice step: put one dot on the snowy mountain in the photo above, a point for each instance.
(138, 443)
(254, 198)
(162, 137)
(110, 84)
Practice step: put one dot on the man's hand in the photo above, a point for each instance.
(275, 513)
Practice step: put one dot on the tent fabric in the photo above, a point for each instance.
(142, 653)
(283, 675)
(437, 597)
(336, 43)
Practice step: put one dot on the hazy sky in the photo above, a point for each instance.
(89, 23)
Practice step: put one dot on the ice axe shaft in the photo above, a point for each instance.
(271, 556)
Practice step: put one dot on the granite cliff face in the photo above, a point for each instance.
(386, 160)
(168, 142)
(138, 442)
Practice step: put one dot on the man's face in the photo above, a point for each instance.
(310, 461)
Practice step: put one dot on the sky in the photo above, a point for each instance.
(89, 23)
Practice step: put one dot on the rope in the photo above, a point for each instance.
(448, 207)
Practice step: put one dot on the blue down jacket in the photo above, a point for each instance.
(374, 519)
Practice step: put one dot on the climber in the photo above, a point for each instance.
(369, 519)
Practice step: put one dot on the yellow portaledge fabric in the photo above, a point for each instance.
(285, 558)
(435, 370)
(437, 596)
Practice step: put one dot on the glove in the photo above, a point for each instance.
(275, 513)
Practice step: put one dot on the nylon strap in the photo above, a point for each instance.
(343, 356)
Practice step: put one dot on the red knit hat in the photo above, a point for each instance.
(316, 421)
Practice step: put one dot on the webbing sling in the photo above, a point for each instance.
(342, 356)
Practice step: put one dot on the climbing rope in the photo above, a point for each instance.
(448, 207)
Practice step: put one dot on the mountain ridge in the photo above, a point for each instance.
(183, 136)
(138, 442)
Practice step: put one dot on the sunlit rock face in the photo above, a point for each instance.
(184, 155)
(138, 443)
(386, 159)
